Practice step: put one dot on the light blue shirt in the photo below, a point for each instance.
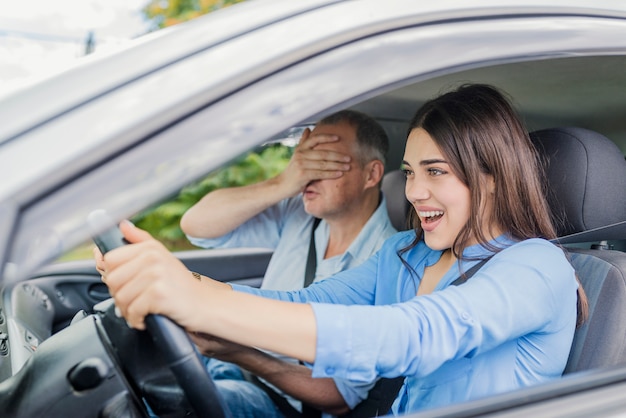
(511, 325)
(286, 228)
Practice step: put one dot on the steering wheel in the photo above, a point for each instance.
(161, 365)
(184, 362)
(176, 347)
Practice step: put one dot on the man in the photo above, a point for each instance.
(334, 175)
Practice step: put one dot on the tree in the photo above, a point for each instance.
(171, 12)
(163, 220)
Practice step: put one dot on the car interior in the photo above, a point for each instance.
(583, 170)
(573, 108)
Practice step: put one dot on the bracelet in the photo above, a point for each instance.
(196, 275)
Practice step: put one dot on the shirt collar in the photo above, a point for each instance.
(479, 251)
(362, 244)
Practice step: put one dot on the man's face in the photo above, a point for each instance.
(337, 197)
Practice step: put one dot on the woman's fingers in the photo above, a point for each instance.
(134, 234)
(145, 278)
(97, 255)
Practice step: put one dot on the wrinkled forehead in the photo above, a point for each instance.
(346, 133)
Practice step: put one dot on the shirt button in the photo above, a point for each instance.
(330, 370)
(465, 316)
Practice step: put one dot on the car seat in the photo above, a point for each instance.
(398, 207)
(586, 175)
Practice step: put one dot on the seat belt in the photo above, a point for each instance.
(311, 261)
(280, 401)
(469, 273)
(385, 391)
(309, 276)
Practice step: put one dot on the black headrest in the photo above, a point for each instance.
(587, 179)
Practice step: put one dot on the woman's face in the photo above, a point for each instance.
(440, 199)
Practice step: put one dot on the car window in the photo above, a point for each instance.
(346, 76)
(162, 220)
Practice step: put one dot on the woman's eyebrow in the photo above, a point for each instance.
(426, 162)
(433, 161)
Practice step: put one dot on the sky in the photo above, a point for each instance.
(42, 37)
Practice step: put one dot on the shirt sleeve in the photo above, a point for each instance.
(353, 286)
(525, 288)
(263, 230)
(353, 393)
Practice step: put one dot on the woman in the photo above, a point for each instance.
(474, 182)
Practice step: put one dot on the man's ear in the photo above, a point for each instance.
(374, 170)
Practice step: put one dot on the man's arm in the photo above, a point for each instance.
(293, 379)
(223, 210)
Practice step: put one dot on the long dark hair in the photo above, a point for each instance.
(477, 130)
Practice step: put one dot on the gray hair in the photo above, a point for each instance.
(372, 141)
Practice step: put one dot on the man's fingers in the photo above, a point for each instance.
(305, 134)
(324, 165)
(308, 141)
(317, 159)
(304, 169)
(324, 175)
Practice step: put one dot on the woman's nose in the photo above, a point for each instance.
(416, 190)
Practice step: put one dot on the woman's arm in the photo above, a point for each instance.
(145, 278)
(533, 290)
(528, 290)
(355, 286)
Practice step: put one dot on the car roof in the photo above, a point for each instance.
(101, 72)
(241, 75)
(101, 75)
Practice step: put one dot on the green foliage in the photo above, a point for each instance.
(163, 220)
(171, 12)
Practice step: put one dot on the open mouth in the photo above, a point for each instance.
(430, 216)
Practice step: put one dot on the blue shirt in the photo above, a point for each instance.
(286, 228)
(511, 325)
